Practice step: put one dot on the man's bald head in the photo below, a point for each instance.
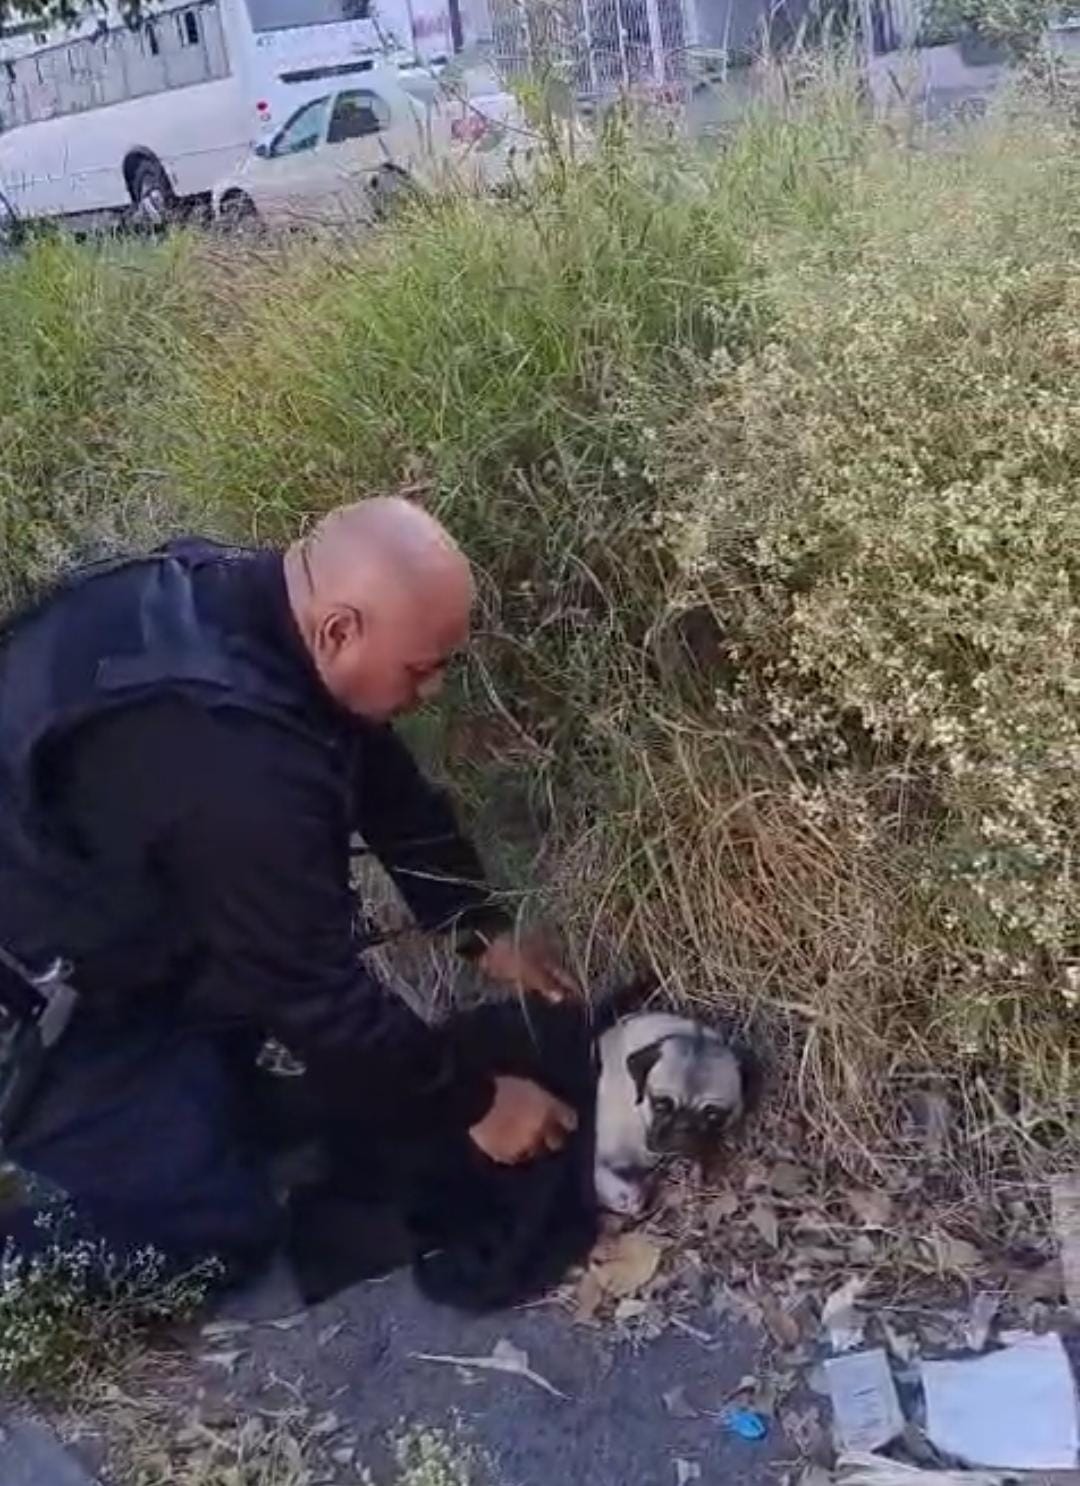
(381, 594)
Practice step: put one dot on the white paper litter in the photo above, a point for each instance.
(878, 1470)
(865, 1405)
(1014, 1409)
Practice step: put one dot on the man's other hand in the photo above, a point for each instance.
(524, 1122)
(525, 963)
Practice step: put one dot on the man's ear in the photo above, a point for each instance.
(641, 1063)
(339, 626)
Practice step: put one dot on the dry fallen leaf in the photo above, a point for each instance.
(763, 1217)
(217, 1330)
(814, 1219)
(983, 1310)
(227, 1360)
(588, 1295)
(815, 1475)
(802, 1427)
(678, 1405)
(626, 1264)
(505, 1357)
(686, 1471)
(630, 1309)
(723, 1206)
(901, 1344)
(954, 1253)
(873, 1209)
(288, 1323)
(840, 1317)
(1045, 1283)
(818, 1254)
(783, 1327)
(789, 1179)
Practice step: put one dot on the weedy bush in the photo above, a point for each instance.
(766, 454)
(76, 1313)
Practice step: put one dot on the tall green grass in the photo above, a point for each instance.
(767, 457)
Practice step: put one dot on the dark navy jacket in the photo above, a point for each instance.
(178, 798)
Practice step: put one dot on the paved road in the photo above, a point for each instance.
(356, 1356)
(614, 1429)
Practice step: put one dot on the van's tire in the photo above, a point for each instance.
(152, 201)
(237, 211)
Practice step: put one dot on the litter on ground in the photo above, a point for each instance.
(865, 1404)
(1015, 1408)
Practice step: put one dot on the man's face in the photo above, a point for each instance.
(384, 665)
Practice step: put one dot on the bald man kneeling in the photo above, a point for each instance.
(189, 743)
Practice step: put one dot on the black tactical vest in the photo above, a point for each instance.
(173, 623)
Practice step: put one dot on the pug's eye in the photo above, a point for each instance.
(663, 1107)
(713, 1115)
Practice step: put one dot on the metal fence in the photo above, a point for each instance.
(599, 46)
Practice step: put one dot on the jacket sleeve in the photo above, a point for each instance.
(254, 846)
(410, 826)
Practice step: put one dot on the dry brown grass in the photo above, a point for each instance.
(768, 461)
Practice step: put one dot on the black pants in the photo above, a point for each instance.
(157, 1130)
(146, 1125)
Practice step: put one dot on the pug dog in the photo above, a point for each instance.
(668, 1087)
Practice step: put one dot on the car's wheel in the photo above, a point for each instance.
(152, 196)
(237, 210)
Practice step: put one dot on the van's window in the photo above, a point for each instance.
(280, 15)
(355, 114)
(303, 131)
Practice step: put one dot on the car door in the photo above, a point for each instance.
(293, 179)
(371, 130)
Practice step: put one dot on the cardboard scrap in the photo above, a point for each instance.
(1015, 1409)
(864, 1399)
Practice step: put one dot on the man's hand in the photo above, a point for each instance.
(525, 1121)
(524, 963)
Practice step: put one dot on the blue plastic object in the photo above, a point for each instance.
(748, 1424)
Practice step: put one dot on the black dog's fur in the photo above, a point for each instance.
(479, 1236)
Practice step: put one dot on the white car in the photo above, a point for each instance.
(342, 155)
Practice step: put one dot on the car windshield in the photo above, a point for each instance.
(303, 131)
(281, 15)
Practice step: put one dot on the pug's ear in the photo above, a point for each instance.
(641, 1063)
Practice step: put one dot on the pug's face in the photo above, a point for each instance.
(689, 1089)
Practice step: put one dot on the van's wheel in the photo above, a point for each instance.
(237, 210)
(151, 195)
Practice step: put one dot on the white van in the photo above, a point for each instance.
(99, 117)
